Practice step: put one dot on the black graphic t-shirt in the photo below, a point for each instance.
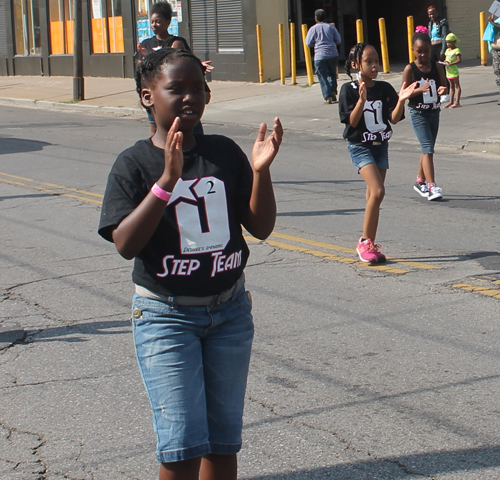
(427, 100)
(373, 126)
(152, 44)
(198, 248)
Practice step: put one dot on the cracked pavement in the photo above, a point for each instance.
(356, 374)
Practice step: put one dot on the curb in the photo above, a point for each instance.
(24, 102)
(475, 145)
(490, 145)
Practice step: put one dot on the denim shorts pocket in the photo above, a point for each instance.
(144, 309)
(244, 298)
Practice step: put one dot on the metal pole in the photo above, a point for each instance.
(383, 45)
(483, 45)
(282, 52)
(259, 54)
(307, 56)
(411, 29)
(78, 82)
(359, 31)
(293, 54)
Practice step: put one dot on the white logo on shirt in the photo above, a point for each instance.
(372, 112)
(431, 96)
(202, 218)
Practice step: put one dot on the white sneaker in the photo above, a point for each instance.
(422, 189)
(435, 193)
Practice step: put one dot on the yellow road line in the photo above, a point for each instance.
(52, 192)
(53, 185)
(338, 248)
(490, 292)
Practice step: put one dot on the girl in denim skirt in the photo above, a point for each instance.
(175, 203)
(424, 110)
(366, 106)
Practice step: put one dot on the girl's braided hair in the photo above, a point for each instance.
(149, 69)
(170, 41)
(424, 37)
(355, 56)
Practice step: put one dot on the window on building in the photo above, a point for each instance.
(107, 26)
(217, 26)
(27, 32)
(62, 22)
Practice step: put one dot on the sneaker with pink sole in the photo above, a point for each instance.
(369, 252)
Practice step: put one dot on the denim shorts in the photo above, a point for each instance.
(194, 363)
(362, 155)
(425, 125)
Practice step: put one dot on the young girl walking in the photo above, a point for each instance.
(453, 56)
(175, 203)
(366, 106)
(424, 110)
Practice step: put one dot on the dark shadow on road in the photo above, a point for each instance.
(480, 95)
(71, 333)
(318, 213)
(489, 260)
(426, 465)
(30, 195)
(75, 333)
(19, 145)
(8, 337)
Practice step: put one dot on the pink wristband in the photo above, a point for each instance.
(160, 193)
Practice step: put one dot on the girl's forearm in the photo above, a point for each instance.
(397, 113)
(356, 114)
(261, 216)
(135, 230)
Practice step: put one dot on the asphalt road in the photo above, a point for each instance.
(358, 373)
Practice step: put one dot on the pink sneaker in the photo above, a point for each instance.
(369, 252)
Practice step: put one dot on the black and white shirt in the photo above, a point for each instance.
(374, 126)
(427, 100)
(198, 248)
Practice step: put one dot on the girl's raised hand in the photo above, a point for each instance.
(265, 149)
(407, 91)
(174, 160)
(362, 92)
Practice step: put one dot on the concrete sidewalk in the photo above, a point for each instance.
(473, 126)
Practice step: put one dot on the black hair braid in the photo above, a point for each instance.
(171, 40)
(424, 37)
(149, 68)
(354, 57)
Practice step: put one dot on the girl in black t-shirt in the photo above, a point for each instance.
(176, 203)
(424, 107)
(366, 107)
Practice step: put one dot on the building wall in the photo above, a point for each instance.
(269, 15)
(463, 17)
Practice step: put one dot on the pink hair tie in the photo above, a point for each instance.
(422, 29)
(160, 193)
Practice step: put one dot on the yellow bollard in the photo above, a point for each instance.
(383, 45)
(411, 30)
(307, 56)
(259, 54)
(359, 31)
(282, 53)
(293, 54)
(484, 45)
